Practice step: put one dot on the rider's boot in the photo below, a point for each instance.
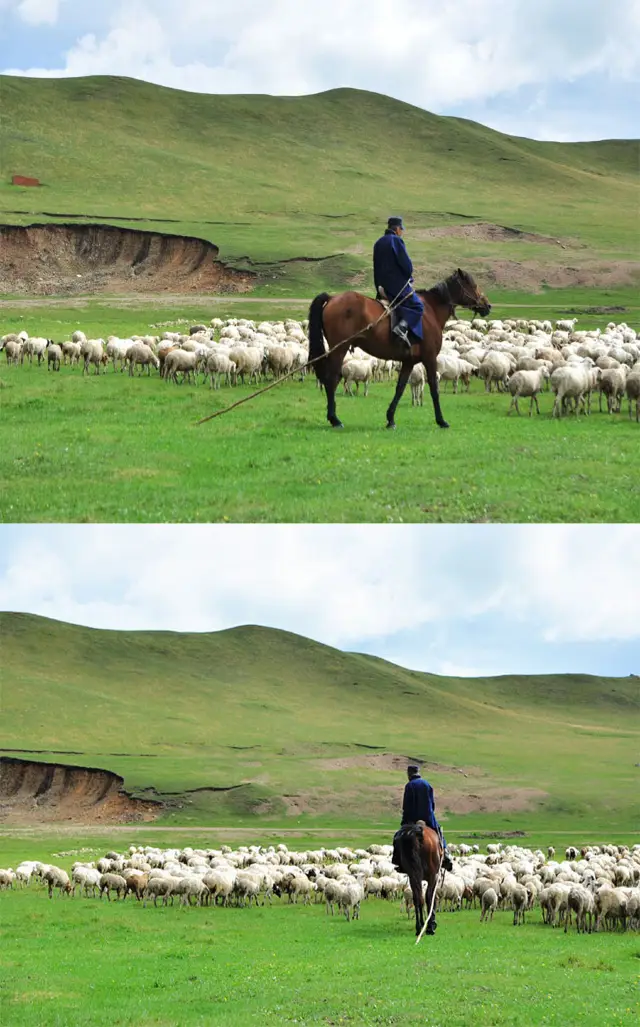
(402, 332)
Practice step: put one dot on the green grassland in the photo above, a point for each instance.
(114, 448)
(289, 720)
(85, 963)
(272, 179)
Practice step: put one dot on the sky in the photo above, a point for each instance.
(453, 600)
(547, 69)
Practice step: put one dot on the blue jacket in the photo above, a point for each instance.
(418, 803)
(392, 267)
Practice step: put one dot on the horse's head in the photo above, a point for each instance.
(465, 293)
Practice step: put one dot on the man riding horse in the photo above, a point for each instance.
(418, 808)
(393, 278)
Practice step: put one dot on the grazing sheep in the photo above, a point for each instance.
(216, 365)
(527, 383)
(519, 902)
(191, 887)
(71, 352)
(34, 348)
(633, 392)
(13, 351)
(611, 907)
(488, 903)
(582, 903)
(570, 383)
(113, 882)
(7, 877)
(356, 371)
(87, 878)
(246, 886)
(180, 360)
(496, 367)
(350, 896)
(612, 385)
(220, 884)
(158, 886)
(417, 380)
(54, 356)
(54, 877)
(248, 361)
(92, 352)
(141, 355)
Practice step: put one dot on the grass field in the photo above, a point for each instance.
(258, 708)
(273, 179)
(85, 963)
(114, 448)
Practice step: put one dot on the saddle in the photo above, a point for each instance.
(394, 315)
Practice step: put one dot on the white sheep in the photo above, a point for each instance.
(92, 353)
(141, 355)
(248, 362)
(417, 380)
(71, 352)
(612, 385)
(527, 383)
(351, 894)
(570, 383)
(54, 356)
(357, 371)
(13, 351)
(496, 367)
(632, 389)
(180, 361)
(54, 877)
(112, 882)
(217, 365)
(488, 903)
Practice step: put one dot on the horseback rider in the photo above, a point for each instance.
(393, 278)
(418, 803)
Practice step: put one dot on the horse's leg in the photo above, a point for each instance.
(418, 902)
(403, 378)
(331, 381)
(429, 361)
(428, 899)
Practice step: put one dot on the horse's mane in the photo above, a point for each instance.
(439, 291)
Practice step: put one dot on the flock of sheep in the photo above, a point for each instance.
(594, 888)
(516, 356)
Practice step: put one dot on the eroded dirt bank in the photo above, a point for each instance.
(32, 792)
(70, 259)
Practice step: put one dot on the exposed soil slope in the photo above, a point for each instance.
(46, 792)
(46, 259)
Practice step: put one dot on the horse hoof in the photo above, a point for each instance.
(338, 424)
(391, 426)
(443, 424)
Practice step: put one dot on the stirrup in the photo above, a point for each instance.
(402, 333)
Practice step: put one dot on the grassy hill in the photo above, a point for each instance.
(275, 179)
(311, 734)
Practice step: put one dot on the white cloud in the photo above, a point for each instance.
(433, 53)
(584, 581)
(343, 585)
(39, 12)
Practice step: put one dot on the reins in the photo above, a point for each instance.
(386, 312)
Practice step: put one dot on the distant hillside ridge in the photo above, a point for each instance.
(274, 179)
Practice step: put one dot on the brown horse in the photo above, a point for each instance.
(418, 854)
(349, 317)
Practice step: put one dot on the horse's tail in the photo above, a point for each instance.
(316, 334)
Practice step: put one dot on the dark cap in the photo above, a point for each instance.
(395, 222)
(413, 769)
